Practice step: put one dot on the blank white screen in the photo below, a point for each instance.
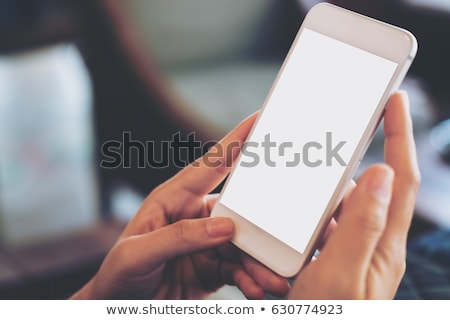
(326, 86)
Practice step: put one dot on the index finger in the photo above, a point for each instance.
(204, 174)
(400, 155)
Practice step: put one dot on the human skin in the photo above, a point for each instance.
(172, 249)
(364, 257)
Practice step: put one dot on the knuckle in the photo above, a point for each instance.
(398, 260)
(119, 253)
(397, 267)
(121, 250)
(183, 230)
(416, 178)
(413, 179)
(394, 256)
(372, 224)
(400, 268)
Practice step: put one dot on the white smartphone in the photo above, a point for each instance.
(311, 134)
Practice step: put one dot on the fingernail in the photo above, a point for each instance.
(405, 98)
(219, 227)
(403, 94)
(380, 184)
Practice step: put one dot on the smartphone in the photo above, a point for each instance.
(311, 134)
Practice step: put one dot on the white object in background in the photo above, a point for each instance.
(431, 4)
(308, 4)
(183, 32)
(201, 47)
(47, 180)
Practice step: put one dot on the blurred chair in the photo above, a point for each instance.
(213, 61)
(145, 83)
(195, 66)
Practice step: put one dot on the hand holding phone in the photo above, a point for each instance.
(364, 255)
(315, 127)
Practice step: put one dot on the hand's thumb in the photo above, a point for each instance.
(362, 222)
(183, 238)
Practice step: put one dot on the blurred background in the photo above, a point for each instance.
(75, 74)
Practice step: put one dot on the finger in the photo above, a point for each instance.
(333, 223)
(347, 194)
(361, 224)
(327, 234)
(181, 238)
(234, 274)
(400, 155)
(204, 174)
(265, 279)
(269, 281)
(229, 252)
(210, 200)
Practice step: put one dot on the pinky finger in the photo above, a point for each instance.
(234, 274)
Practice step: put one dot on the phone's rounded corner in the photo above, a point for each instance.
(317, 8)
(273, 254)
(413, 44)
(261, 245)
(321, 5)
(290, 271)
(288, 268)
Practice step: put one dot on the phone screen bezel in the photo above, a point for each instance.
(381, 39)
